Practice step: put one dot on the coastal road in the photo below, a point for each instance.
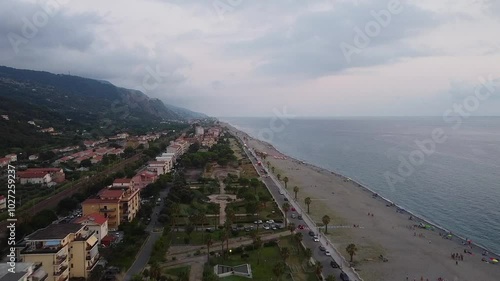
(142, 257)
(279, 194)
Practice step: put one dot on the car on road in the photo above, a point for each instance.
(293, 209)
(294, 216)
(281, 192)
(344, 277)
(311, 233)
(285, 199)
(316, 239)
(300, 226)
(328, 253)
(321, 248)
(300, 217)
(334, 264)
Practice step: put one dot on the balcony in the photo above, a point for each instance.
(93, 263)
(105, 210)
(60, 259)
(83, 236)
(62, 271)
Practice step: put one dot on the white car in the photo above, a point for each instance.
(316, 239)
(267, 227)
(270, 221)
(328, 253)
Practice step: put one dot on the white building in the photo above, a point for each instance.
(159, 167)
(24, 271)
(199, 131)
(27, 177)
(13, 157)
(95, 222)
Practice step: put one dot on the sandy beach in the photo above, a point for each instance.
(412, 253)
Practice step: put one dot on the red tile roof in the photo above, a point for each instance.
(48, 170)
(102, 201)
(122, 181)
(94, 217)
(31, 175)
(111, 193)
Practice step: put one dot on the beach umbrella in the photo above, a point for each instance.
(493, 260)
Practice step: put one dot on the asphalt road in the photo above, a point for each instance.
(146, 249)
(274, 187)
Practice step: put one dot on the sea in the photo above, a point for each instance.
(444, 171)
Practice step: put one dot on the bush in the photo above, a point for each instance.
(271, 243)
(248, 248)
(238, 250)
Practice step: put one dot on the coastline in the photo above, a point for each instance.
(458, 240)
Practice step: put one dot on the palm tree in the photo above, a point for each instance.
(351, 250)
(222, 239)
(208, 241)
(285, 253)
(257, 244)
(175, 209)
(308, 202)
(268, 164)
(279, 270)
(331, 278)
(292, 227)
(326, 221)
(298, 237)
(154, 271)
(308, 253)
(295, 190)
(285, 180)
(278, 176)
(319, 268)
(286, 208)
(272, 169)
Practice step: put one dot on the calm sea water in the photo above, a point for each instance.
(457, 186)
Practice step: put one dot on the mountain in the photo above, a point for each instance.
(71, 105)
(185, 113)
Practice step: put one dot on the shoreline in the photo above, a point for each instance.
(416, 218)
(457, 239)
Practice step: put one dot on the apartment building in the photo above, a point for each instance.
(118, 204)
(63, 250)
(24, 271)
(159, 167)
(95, 222)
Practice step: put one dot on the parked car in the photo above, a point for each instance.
(300, 226)
(311, 233)
(321, 248)
(328, 253)
(334, 264)
(285, 199)
(294, 216)
(293, 209)
(299, 217)
(344, 277)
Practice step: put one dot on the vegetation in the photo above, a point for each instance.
(351, 249)
(308, 203)
(326, 221)
(295, 190)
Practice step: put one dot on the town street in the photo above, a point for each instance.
(142, 257)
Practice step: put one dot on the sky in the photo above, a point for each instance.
(323, 58)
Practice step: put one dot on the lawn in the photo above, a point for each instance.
(176, 271)
(297, 261)
(262, 271)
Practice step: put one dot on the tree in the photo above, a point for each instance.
(295, 190)
(222, 237)
(278, 176)
(308, 203)
(326, 221)
(189, 228)
(298, 237)
(291, 227)
(351, 250)
(257, 244)
(86, 163)
(279, 270)
(208, 241)
(268, 164)
(331, 278)
(286, 208)
(154, 271)
(285, 253)
(175, 208)
(137, 277)
(308, 253)
(285, 180)
(319, 268)
(272, 169)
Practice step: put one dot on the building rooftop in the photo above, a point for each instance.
(122, 180)
(55, 231)
(94, 217)
(31, 175)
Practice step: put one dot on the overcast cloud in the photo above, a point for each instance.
(247, 58)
